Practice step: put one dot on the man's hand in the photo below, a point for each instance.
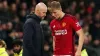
(78, 53)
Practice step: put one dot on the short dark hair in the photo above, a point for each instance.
(17, 42)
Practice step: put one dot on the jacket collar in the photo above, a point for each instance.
(34, 16)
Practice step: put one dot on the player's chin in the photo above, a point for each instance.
(56, 18)
(53, 17)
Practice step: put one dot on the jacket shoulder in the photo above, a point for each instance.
(29, 19)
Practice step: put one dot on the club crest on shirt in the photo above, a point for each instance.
(54, 26)
(63, 24)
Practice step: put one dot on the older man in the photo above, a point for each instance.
(33, 35)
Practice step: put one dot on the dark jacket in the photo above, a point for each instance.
(90, 50)
(33, 37)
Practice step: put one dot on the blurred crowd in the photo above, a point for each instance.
(12, 18)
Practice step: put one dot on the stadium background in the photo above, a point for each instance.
(12, 18)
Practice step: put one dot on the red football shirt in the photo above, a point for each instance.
(62, 30)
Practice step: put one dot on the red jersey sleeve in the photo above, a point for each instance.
(75, 24)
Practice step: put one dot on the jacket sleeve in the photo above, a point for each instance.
(28, 38)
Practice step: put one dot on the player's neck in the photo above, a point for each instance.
(62, 15)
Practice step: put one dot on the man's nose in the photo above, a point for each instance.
(44, 14)
(52, 14)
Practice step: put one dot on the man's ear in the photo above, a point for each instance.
(38, 11)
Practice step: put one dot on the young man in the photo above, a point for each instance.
(63, 27)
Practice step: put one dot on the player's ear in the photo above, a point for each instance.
(60, 9)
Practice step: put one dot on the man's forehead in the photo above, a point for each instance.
(16, 45)
(52, 10)
(43, 10)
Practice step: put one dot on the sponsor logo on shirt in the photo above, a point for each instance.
(60, 32)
